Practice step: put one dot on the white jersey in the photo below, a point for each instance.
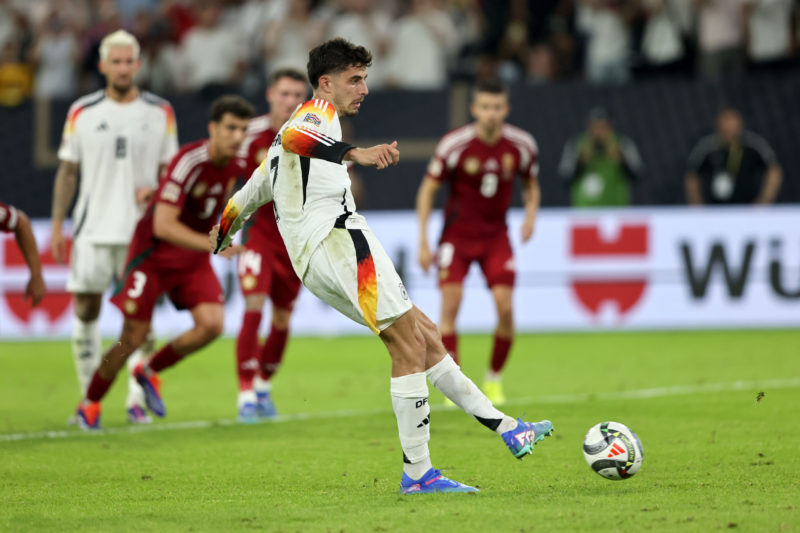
(119, 148)
(304, 176)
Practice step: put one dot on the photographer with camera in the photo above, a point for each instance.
(599, 165)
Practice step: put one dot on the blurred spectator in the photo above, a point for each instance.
(56, 56)
(606, 24)
(662, 40)
(288, 39)
(16, 78)
(600, 164)
(769, 33)
(130, 9)
(213, 57)
(732, 166)
(541, 65)
(425, 40)
(721, 38)
(181, 17)
(361, 23)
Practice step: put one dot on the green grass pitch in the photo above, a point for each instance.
(715, 458)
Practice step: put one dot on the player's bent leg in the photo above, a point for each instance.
(133, 335)
(208, 324)
(247, 355)
(452, 294)
(270, 360)
(503, 338)
(446, 376)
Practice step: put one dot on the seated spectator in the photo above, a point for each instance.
(213, 57)
(721, 40)
(16, 79)
(606, 24)
(56, 56)
(600, 164)
(732, 166)
(288, 39)
(424, 41)
(362, 22)
(769, 35)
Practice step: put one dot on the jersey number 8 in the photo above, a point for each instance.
(489, 184)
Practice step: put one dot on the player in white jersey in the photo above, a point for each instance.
(120, 139)
(338, 258)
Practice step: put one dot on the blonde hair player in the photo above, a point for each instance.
(115, 143)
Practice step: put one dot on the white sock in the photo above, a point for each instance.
(262, 385)
(448, 378)
(135, 391)
(246, 396)
(492, 376)
(85, 350)
(410, 404)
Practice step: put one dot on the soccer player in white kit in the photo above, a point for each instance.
(120, 139)
(338, 259)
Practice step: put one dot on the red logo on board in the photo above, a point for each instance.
(630, 242)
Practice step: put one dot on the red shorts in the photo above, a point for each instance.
(265, 268)
(494, 256)
(186, 289)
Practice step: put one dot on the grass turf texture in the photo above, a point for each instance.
(713, 460)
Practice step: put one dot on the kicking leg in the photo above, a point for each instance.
(446, 376)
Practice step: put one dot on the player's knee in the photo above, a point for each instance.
(210, 326)
(87, 308)
(280, 318)
(255, 302)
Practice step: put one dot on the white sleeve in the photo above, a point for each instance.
(70, 148)
(255, 193)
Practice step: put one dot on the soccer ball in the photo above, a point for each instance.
(613, 450)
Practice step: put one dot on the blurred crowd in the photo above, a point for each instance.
(49, 48)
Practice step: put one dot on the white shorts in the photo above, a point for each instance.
(351, 272)
(93, 267)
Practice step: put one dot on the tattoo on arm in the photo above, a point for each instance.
(64, 189)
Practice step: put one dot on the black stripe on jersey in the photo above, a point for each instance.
(99, 97)
(132, 264)
(79, 227)
(305, 168)
(341, 218)
(333, 153)
(362, 246)
(153, 99)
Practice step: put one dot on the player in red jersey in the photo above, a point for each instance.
(14, 220)
(480, 161)
(265, 270)
(169, 255)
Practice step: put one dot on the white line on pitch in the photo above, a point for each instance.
(658, 392)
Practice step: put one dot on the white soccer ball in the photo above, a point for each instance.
(613, 450)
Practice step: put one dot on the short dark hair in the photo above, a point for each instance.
(233, 104)
(288, 72)
(335, 55)
(491, 86)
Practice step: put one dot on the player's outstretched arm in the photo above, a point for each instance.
(255, 193)
(27, 244)
(63, 192)
(425, 197)
(380, 156)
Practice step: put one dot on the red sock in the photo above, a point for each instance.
(272, 352)
(98, 387)
(247, 349)
(450, 341)
(500, 351)
(164, 358)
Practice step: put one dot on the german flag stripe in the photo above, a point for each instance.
(367, 280)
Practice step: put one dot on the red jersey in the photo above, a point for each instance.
(260, 134)
(198, 187)
(481, 178)
(8, 217)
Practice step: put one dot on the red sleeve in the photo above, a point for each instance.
(178, 180)
(8, 217)
(438, 166)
